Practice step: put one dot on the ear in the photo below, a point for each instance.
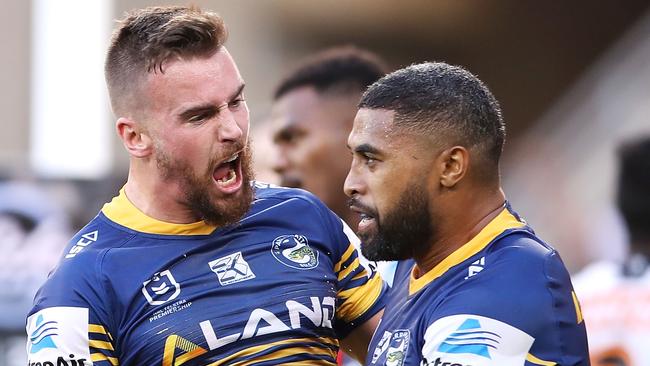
(137, 142)
(453, 164)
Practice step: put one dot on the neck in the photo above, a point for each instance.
(464, 219)
(156, 198)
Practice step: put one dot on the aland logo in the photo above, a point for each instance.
(294, 251)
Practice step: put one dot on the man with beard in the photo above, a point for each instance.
(193, 262)
(477, 287)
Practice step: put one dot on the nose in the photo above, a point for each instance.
(280, 162)
(230, 129)
(353, 185)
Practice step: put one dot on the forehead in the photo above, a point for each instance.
(304, 107)
(373, 126)
(210, 79)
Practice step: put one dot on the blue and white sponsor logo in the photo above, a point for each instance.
(470, 338)
(41, 336)
(58, 336)
(231, 269)
(161, 288)
(294, 251)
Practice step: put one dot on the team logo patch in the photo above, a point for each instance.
(294, 251)
(470, 338)
(161, 288)
(231, 269)
(397, 348)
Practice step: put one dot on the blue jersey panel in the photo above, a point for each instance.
(282, 285)
(504, 298)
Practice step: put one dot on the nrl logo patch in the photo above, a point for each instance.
(161, 288)
(294, 251)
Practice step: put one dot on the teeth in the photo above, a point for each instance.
(233, 158)
(228, 179)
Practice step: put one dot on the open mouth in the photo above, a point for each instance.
(367, 219)
(228, 174)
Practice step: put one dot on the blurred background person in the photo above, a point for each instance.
(311, 117)
(616, 296)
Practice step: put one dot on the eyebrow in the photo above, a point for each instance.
(209, 107)
(366, 149)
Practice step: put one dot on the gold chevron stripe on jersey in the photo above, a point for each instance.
(102, 350)
(504, 221)
(532, 359)
(175, 342)
(344, 258)
(290, 350)
(359, 299)
(98, 357)
(576, 304)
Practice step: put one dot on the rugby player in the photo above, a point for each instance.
(194, 263)
(477, 286)
(312, 115)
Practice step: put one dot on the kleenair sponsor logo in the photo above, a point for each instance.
(41, 337)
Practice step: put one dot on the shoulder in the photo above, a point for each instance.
(520, 281)
(278, 194)
(292, 204)
(76, 277)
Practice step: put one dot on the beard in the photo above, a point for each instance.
(198, 193)
(403, 232)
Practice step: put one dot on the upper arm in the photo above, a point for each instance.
(68, 321)
(361, 289)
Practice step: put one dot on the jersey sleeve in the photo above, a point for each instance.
(69, 322)
(518, 310)
(361, 289)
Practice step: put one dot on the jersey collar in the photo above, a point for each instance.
(120, 210)
(504, 221)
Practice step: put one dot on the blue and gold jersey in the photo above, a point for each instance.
(502, 299)
(282, 286)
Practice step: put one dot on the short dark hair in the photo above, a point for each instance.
(435, 98)
(147, 38)
(347, 66)
(633, 195)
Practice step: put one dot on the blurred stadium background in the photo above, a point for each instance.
(573, 79)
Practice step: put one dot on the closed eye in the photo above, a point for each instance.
(201, 116)
(237, 103)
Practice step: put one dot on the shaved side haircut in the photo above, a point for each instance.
(147, 38)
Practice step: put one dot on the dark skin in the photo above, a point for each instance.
(309, 130)
(386, 161)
